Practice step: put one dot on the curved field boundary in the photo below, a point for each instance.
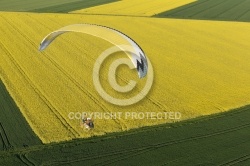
(71, 6)
(47, 6)
(13, 125)
(124, 154)
(192, 142)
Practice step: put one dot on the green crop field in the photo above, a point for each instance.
(228, 10)
(221, 139)
(54, 6)
(14, 130)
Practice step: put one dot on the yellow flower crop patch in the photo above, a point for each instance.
(135, 7)
(200, 68)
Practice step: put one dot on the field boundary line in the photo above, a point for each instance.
(157, 146)
(143, 149)
(133, 131)
(38, 92)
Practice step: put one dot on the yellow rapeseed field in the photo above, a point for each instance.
(135, 7)
(201, 67)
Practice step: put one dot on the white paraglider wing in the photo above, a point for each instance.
(113, 36)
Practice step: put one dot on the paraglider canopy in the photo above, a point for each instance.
(111, 35)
